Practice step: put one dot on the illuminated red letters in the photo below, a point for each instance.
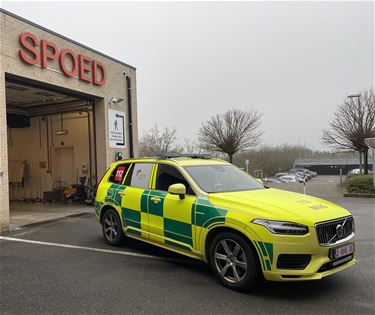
(72, 65)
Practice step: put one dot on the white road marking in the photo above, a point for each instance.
(93, 249)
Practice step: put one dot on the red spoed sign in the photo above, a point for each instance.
(43, 52)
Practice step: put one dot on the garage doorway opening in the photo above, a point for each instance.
(51, 150)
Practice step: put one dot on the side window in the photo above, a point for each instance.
(168, 175)
(119, 173)
(139, 175)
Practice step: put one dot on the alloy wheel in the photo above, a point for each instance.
(230, 260)
(110, 226)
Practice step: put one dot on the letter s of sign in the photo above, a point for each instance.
(30, 53)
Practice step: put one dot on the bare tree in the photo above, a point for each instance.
(191, 146)
(353, 121)
(155, 141)
(233, 131)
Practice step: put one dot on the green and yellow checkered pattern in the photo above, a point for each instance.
(169, 220)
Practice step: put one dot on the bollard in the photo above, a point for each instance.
(341, 176)
(304, 183)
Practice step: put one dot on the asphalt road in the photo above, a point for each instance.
(136, 278)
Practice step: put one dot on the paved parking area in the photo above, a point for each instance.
(23, 213)
(64, 267)
(326, 187)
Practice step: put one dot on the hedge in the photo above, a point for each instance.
(359, 184)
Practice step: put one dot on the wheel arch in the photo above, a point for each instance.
(104, 209)
(220, 229)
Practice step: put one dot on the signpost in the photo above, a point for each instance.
(116, 128)
(247, 166)
(370, 142)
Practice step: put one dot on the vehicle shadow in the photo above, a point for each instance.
(297, 290)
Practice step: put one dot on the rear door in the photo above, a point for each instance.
(135, 198)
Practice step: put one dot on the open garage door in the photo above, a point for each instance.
(51, 147)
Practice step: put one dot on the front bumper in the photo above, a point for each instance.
(310, 273)
(271, 246)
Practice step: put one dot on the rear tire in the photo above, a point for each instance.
(112, 228)
(232, 260)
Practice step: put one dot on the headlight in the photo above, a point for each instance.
(282, 227)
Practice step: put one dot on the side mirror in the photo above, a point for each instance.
(262, 182)
(177, 189)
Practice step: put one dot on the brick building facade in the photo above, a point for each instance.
(42, 60)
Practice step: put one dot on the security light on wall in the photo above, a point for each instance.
(116, 99)
(61, 131)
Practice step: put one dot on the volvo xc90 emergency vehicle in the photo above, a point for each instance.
(208, 209)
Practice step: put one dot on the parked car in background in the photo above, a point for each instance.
(308, 173)
(313, 173)
(271, 180)
(303, 174)
(354, 171)
(281, 174)
(282, 180)
(290, 178)
(299, 175)
(294, 175)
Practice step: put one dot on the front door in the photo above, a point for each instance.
(169, 216)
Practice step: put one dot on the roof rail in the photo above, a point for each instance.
(177, 155)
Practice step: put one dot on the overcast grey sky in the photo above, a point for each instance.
(293, 61)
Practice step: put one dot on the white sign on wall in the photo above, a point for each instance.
(116, 128)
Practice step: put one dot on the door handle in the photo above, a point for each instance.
(122, 193)
(155, 199)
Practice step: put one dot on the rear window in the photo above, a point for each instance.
(139, 175)
(119, 173)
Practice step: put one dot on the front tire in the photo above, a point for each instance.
(111, 227)
(233, 261)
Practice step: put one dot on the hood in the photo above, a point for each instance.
(276, 204)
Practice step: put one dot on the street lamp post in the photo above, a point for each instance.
(370, 142)
(358, 96)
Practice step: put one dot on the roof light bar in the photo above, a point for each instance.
(177, 155)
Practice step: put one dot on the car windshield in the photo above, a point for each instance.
(222, 178)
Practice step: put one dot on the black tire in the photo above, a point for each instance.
(229, 262)
(111, 227)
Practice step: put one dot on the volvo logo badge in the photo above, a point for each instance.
(339, 230)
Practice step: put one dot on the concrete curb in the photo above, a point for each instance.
(359, 195)
(50, 220)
